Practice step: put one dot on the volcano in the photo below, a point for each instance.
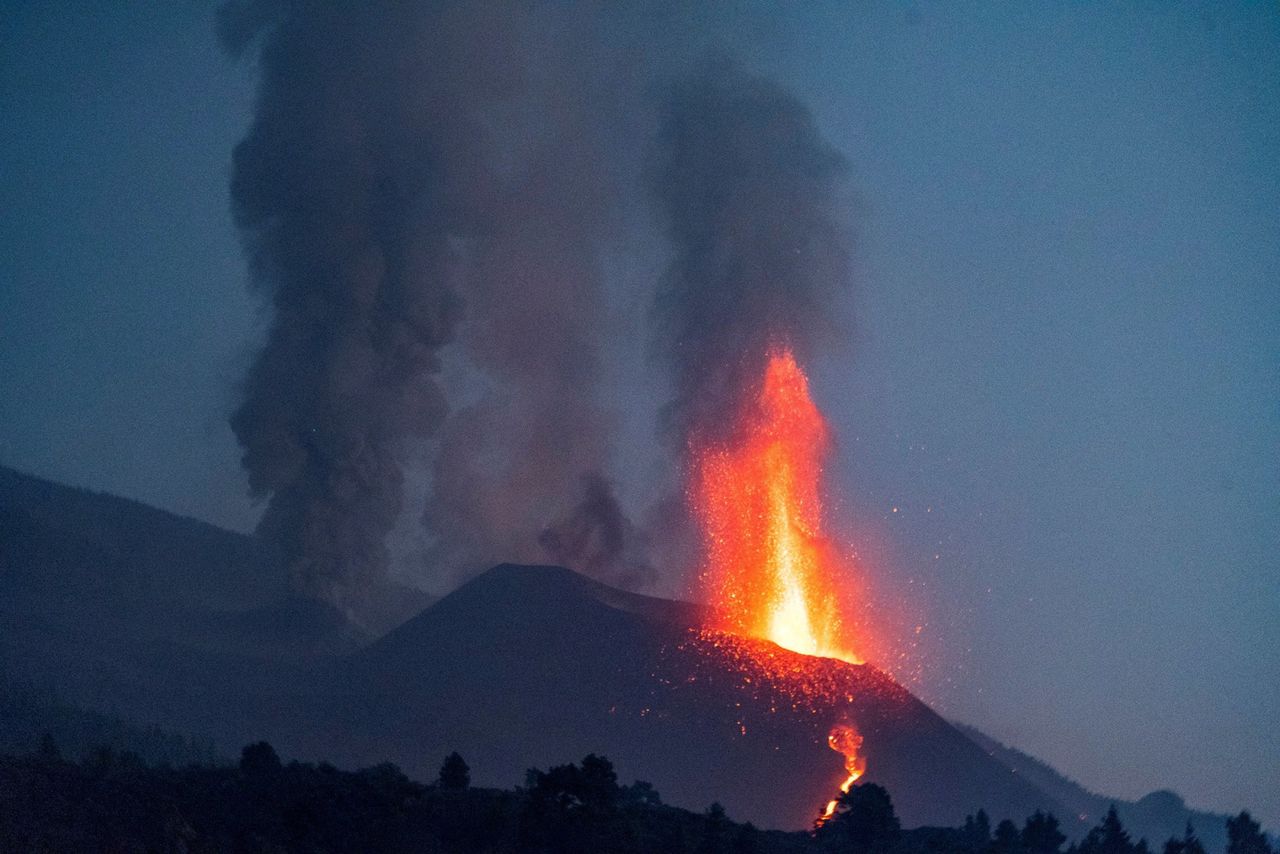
(166, 621)
(530, 664)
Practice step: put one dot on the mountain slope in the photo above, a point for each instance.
(526, 666)
(167, 621)
(1156, 817)
(152, 616)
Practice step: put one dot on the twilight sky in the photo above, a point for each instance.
(1064, 371)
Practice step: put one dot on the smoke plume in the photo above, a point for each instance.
(418, 174)
(363, 172)
(745, 188)
(439, 183)
(532, 451)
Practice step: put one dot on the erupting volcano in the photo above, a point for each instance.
(770, 573)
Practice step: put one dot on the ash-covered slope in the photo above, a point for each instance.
(529, 666)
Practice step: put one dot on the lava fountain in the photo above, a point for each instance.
(769, 572)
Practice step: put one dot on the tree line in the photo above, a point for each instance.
(116, 801)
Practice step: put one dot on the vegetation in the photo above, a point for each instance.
(115, 801)
(29, 711)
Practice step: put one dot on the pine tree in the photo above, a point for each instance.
(454, 773)
(1110, 837)
(1007, 839)
(1188, 844)
(863, 821)
(1244, 836)
(1040, 834)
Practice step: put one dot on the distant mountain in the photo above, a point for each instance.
(1156, 817)
(132, 610)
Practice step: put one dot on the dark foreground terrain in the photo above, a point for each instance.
(115, 802)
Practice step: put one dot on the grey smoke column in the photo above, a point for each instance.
(745, 187)
(421, 174)
(520, 472)
(362, 171)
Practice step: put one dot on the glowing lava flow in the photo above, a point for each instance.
(770, 573)
(846, 740)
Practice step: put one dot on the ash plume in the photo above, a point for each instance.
(599, 539)
(745, 188)
(363, 172)
(416, 176)
(518, 459)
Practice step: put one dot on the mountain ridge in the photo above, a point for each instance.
(66, 552)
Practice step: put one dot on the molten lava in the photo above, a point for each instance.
(770, 573)
(845, 739)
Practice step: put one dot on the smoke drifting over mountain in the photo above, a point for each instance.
(533, 450)
(745, 187)
(425, 183)
(362, 171)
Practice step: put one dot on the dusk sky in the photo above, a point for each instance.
(1057, 408)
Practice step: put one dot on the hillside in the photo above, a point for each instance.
(1155, 817)
(30, 714)
(526, 663)
(167, 622)
(116, 604)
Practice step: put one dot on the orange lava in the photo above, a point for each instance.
(769, 571)
(845, 739)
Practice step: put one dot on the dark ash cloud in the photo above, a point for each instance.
(421, 175)
(363, 172)
(745, 188)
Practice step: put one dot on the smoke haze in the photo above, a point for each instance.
(417, 177)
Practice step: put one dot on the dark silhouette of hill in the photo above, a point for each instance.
(1157, 816)
(164, 621)
(526, 662)
(30, 715)
(108, 598)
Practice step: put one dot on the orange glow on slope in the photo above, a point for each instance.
(845, 739)
(770, 573)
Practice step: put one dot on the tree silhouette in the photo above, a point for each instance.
(1110, 837)
(1006, 840)
(599, 783)
(258, 759)
(715, 833)
(977, 831)
(863, 821)
(641, 792)
(454, 773)
(747, 841)
(1040, 834)
(1244, 836)
(1188, 844)
(571, 808)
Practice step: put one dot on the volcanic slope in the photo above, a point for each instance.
(528, 666)
(157, 618)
